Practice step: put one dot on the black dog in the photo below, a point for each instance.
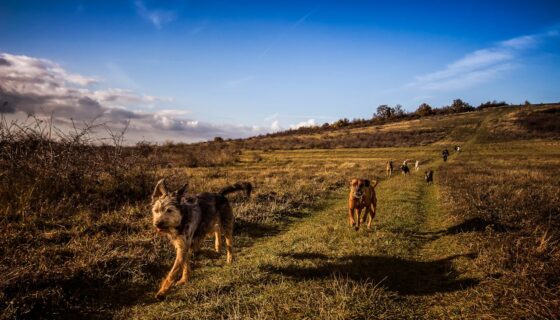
(405, 169)
(429, 176)
(445, 154)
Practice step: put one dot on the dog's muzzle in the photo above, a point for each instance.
(358, 196)
(160, 226)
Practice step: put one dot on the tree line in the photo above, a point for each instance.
(386, 114)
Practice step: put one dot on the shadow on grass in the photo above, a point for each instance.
(470, 225)
(476, 225)
(82, 295)
(407, 277)
(246, 233)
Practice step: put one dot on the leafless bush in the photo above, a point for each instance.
(43, 168)
(58, 243)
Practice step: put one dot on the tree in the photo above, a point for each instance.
(384, 112)
(398, 111)
(341, 123)
(424, 110)
(492, 104)
(459, 105)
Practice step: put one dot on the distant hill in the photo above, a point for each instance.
(521, 122)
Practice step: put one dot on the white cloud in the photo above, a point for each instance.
(42, 88)
(157, 17)
(481, 65)
(115, 98)
(468, 79)
(520, 42)
(308, 123)
(275, 126)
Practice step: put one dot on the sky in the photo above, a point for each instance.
(193, 70)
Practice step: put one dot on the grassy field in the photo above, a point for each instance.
(482, 242)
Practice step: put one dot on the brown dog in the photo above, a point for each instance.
(389, 168)
(362, 196)
(186, 224)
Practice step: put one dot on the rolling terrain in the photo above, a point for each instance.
(482, 242)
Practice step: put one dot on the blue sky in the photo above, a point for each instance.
(191, 70)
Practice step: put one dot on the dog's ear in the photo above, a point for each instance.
(181, 191)
(354, 182)
(160, 190)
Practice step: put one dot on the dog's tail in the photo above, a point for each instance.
(239, 186)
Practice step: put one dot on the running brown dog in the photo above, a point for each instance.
(186, 224)
(362, 196)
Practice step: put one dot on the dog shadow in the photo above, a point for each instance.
(99, 294)
(406, 277)
(470, 225)
(246, 233)
(477, 225)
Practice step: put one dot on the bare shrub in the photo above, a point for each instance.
(59, 248)
(43, 168)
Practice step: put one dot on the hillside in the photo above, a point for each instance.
(482, 242)
(447, 128)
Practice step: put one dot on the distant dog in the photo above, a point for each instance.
(389, 168)
(429, 176)
(362, 196)
(445, 154)
(417, 165)
(186, 224)
(404, 169)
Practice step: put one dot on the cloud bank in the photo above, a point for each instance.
(40, 87)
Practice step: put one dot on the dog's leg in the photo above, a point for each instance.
(181, 249)
(372, 210)
(351, 216)
(229, 246)
(363, 220)
(228, 234)
(358, 219)
(218, 240)
(185, 274)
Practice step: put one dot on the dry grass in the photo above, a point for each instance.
(66, 218)
(77, 238)
(509, 203)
